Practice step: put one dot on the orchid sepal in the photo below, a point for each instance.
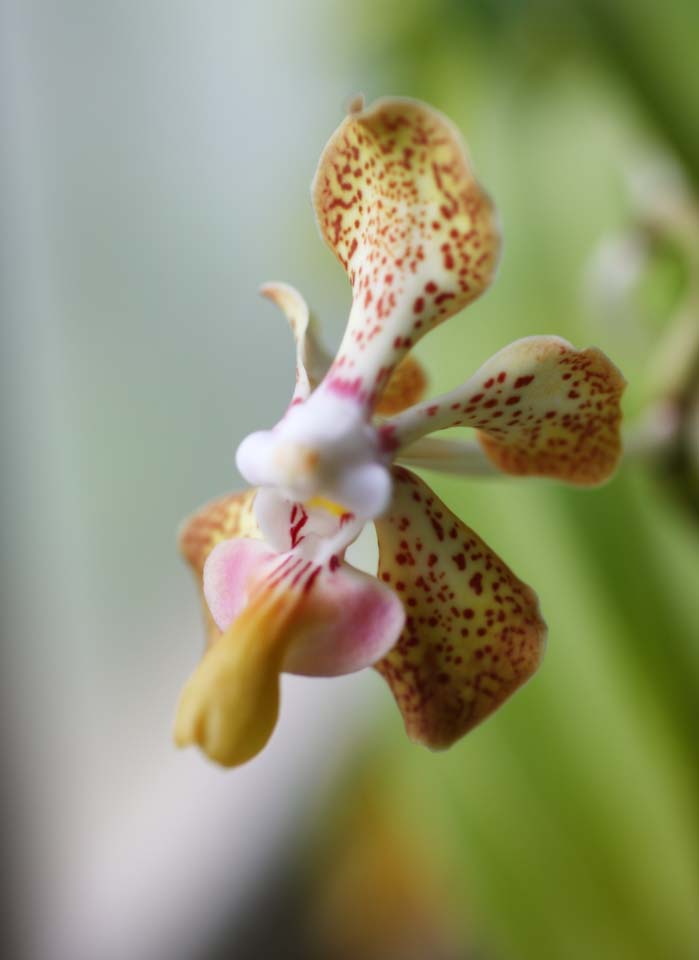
(473, 632)
(540, 408)
(398, 204)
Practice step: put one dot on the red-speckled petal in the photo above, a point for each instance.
(312, 360)
(542, 408)
(406, 387)
(473, 632)
(397, 202)
(226, 518)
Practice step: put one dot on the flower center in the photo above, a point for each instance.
(323, 448)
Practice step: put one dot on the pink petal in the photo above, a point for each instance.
(229, 575)
(226, 518)
(342, 620)
(349, 621)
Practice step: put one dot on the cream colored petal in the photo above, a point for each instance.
(473, 632)
(541, 408)
(312, 360)
(398, 204)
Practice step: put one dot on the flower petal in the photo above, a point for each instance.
(344, 620)
(312, 361)
(222, 519)
(350, 622)
(286, 614)
(542, 408)
(460, 457)
(473, 632)
(406, 387)
(229, 575)
(229, 706)
(397, 203)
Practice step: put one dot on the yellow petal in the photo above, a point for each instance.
(398, 204)
(230, 705)
(406, 387)
(473, 633)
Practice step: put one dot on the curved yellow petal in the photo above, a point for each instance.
(541, 408)
(230, 705)
(398, 204)
(406, 387)
(225, 518)
(473, 632)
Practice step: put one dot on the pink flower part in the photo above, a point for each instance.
(229, 576)
(344, 620)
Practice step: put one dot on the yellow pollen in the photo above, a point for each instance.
(336, 509)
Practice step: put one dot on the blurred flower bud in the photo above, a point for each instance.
(619, 287)
(614, 271)
(679, 464)
(377, 892)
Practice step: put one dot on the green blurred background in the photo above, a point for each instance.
(155, 161)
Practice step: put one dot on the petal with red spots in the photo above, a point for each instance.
(473, 632)
(398, 204)
(312, 361)
(226, 518)
(541, 408)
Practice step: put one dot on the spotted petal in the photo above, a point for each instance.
(473, 632)
(312, 361)
(222, 519)
(541, 407)
(397, 203)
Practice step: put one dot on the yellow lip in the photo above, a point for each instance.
(229, 706)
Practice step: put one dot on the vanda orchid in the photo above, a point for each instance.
(449, 626)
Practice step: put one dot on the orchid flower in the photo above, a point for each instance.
(449, 626)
